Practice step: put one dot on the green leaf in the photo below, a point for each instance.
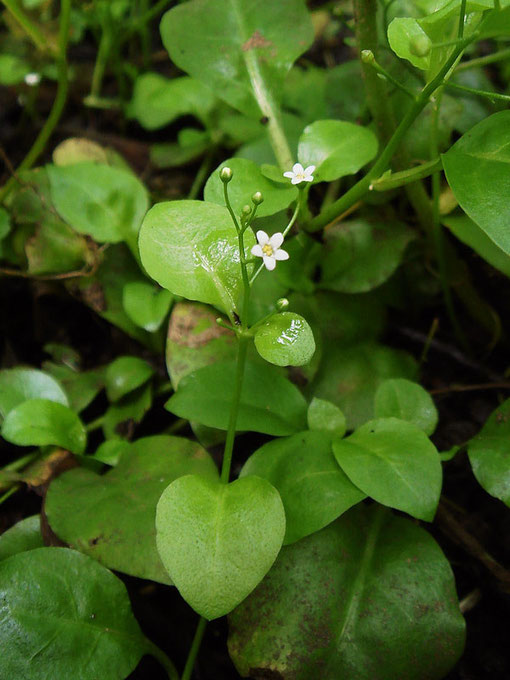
(247, 178)
(336, 148)
(496, 24)
(489, 454)
(285, 339)
(79, 150)
(269, 403)
(409, 41)
(38, 422)
(298, 272)
(25, 535)
(235, 50)
(81, 387)
(323, 416)
(65, 616)
(13, 69)
(5, 223)
(111, 517)
(349, 377)
(55, 248)
(121, 417)
(191, 248)
(110, 451)
(158, 101)
(303, 467)
(408, 401)
(195, 340)
(472, 235)
(370, 596)
(218, 541)
(104, 202)
(361, 255)
(21, 384)
(124, 375)
(394, 463)
(477, 168)
(145, 304)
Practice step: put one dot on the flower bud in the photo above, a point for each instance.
(420, 46)
(282, 304)
(367, 56)
(246, 211)
(226, 174)
(257, 198)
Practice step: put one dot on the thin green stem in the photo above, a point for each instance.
(356, 192)
(193, 652)
(103, 54)
(387, 76)
(8, 493)
(201, 175)
(22, 462)
(462, 18)
(393, 180)
(163, 659)
(494, 96)
(32, 30)
(58, 105)
(144, 19)
(484, 61)
(95, 424)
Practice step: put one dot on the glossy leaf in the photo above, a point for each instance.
(336, 148)
(157, 101)
(489, 454)
(361, 255)
(472, 235)
(195, 340)
(145, 304)
(191, 248)
(247, 178)
(395, 463)
(323, 416)
(285, 339)
(303, 467)
(334, 606)
(349, 377)
(111, 517)
(125, 374)
(81, 387)
(406, 400)
(218, 541)
(39, 422)
(64, 615)
(25, 535)
(21, 384)
(269, 402)
(236, 50)
(477, 168)
(104, 202)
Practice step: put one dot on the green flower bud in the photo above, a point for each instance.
(226, 174)
(367, 56)
(257, 198)
(246, 211)
(420, 46)
(282, 304)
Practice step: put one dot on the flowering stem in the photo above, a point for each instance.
(163, 659)
(32, 30)
(398, 179)
(59, 103)
(195, 646)
(356, 192)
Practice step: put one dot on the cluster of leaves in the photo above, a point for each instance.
(305, 539)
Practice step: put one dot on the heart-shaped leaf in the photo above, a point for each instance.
(65, 616)
(323, 416)
(218, 541)
(269, 402)
(336, 148)
(395, 463)
(146, 304)
(404, 399)
(303, 467)
(107, 516)
(477, 168)
(124, 375)
(39, 422)
(285, 339)
(370, 596)
(240, 51)
(25, 535)
(191, 248)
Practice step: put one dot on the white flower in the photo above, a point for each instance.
(269, 249)
(32, 79)
(299, 174)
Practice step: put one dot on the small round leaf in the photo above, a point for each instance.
(406, 400)
(285, 339)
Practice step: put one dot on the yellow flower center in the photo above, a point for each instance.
(267, 250)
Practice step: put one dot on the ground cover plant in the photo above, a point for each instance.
(253, 385)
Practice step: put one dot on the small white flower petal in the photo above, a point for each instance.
(276, 240)
(281, 255)
(296, 180)
(297, 169)
(309, 169)
(257, 251)
(262, 237)
(270, 262)
(288, 174)
(308, 178)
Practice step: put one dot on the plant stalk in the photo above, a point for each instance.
(195, 646)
